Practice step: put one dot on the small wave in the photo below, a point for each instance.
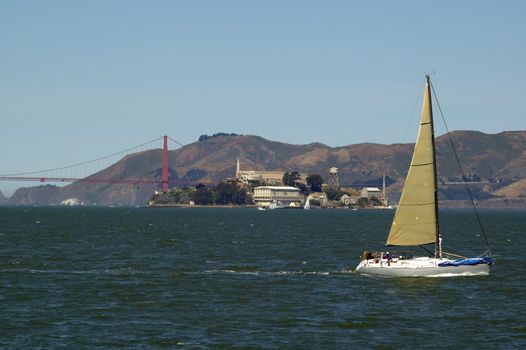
(322, 273)
(273, 273)
(463, 274)
(233, 272)
(113, 272)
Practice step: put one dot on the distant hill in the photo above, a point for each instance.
(3, 199)
(497, 161)
(37, 195)
(515, 189)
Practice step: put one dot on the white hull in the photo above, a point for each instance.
(418, 267)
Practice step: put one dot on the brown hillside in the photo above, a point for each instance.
(516, 189)
(486, 157)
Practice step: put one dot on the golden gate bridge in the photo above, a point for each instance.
(59, 175)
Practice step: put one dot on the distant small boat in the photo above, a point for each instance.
(381, 207)
(307, 203)
(416, 221)
(276, 205)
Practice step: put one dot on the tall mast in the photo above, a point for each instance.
(438, 245)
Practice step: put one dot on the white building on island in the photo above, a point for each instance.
(284, 195)
(370, 192)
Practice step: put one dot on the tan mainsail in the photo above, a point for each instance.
(415, 220)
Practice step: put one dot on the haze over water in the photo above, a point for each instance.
(104, 278)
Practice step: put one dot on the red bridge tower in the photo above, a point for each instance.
(164, 177)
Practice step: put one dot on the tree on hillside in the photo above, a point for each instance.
(291, 179)
(219, 134)
(315, 181)
(334, 194)
(363, 202)
(174, 196)
(202, 195)
(303, 189)
(256, 183)
(230, 193)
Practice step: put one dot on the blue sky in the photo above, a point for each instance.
(83, 79)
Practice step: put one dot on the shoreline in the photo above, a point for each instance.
(489, 204)
(498, 204)
(199, 206)
(494, 203)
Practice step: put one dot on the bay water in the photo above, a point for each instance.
(141, 278)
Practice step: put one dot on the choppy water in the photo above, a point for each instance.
(104, 278)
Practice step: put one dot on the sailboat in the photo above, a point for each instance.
(307, 203)
(416, 221)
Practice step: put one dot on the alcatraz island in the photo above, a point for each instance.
(275, 190)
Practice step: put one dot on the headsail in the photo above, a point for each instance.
(415, 220)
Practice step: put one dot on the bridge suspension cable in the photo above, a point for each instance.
(38, 175)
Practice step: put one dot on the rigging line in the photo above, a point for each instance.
(413, 113)
(87, 162)
(460, 167)
(427, 250)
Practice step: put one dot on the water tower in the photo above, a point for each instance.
(334, 179)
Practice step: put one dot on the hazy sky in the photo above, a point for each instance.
(83, 79)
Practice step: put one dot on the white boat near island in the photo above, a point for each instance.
(307, 203)
(416, 221)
